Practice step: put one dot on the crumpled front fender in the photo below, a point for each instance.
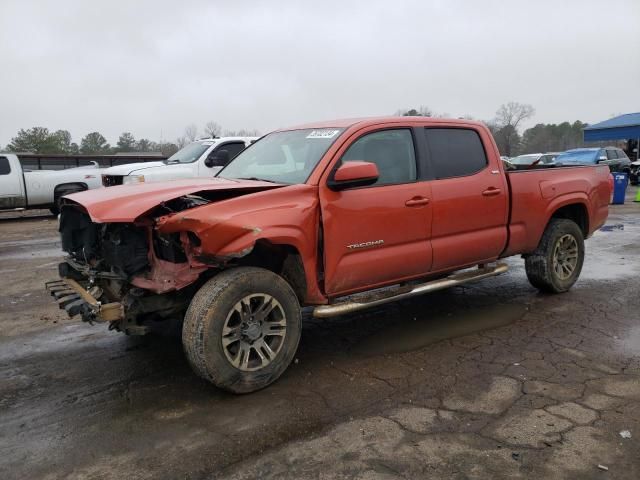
(229, 229)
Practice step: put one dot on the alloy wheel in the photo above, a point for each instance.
(254, 332)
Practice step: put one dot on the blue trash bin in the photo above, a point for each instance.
(620, 182)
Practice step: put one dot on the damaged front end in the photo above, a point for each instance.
(137, 255)
(126, 274)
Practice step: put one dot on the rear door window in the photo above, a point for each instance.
(5, 168)
(612, 154)
(455, 152)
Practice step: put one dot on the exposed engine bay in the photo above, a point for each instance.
(130, 264)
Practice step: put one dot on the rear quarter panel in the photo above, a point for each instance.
(537, 194)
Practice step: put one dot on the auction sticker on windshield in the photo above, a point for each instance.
(323, 133)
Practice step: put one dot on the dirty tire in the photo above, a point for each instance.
(208, 313)
(540, 264)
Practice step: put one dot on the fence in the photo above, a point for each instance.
(34, 161)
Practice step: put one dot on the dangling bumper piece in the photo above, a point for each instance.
(73, 298)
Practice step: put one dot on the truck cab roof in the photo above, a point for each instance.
(367, 121)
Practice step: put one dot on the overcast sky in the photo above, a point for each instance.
(153, 67)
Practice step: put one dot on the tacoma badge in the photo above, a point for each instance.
(372, 243)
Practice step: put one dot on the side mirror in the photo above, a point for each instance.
(602, 158)
(218, 158)
(354, 174)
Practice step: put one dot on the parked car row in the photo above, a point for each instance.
(532, 159)
(21, 188)
(615, 158)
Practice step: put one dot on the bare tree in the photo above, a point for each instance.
(513, 113)
(191, 132)
(212, 129)
(508, 119)
(181, 142)
(243, 132)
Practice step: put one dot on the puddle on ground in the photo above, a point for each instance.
(30, 242)
(32, 248)
(410, 334)
(27, 254)
(631, 342)
(612, 227)
(611, 256)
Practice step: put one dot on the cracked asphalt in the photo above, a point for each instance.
(490, 380)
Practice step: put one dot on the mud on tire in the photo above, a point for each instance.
(557, 262)
(228, 317)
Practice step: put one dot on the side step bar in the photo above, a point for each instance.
(356, 304)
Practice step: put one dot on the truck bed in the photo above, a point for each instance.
(535, 194)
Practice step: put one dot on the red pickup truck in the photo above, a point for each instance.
(319, 215)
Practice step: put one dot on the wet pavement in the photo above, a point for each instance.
(490, 380)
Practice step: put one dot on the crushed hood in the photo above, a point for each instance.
(125, 203)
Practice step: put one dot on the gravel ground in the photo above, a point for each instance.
(491, 380)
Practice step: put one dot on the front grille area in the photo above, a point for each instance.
(111, 180)
(113, 247)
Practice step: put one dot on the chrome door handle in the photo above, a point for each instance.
(491, 191)
(417, 202)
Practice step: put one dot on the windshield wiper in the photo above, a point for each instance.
(170, 162)
(258, 179)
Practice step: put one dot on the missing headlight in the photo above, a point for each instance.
(168, 247)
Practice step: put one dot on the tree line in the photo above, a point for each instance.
(506, 128)
(43, 141)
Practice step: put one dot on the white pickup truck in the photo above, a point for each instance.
(21, 189)
(202, 158)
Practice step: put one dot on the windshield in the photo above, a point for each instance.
(282, 157)
(190, 153)
(524, 159)
(577, 157)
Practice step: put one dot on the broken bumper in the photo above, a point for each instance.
(71, 296)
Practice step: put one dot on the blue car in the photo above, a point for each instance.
(614, 157)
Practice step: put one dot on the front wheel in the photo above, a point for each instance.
(242, 329)
(557, 262)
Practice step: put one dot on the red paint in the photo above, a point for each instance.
(125, 203)
(356, 170)
(166, 276)
(372, 236)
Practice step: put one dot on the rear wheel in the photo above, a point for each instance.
(242, 329)
(557, 262)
